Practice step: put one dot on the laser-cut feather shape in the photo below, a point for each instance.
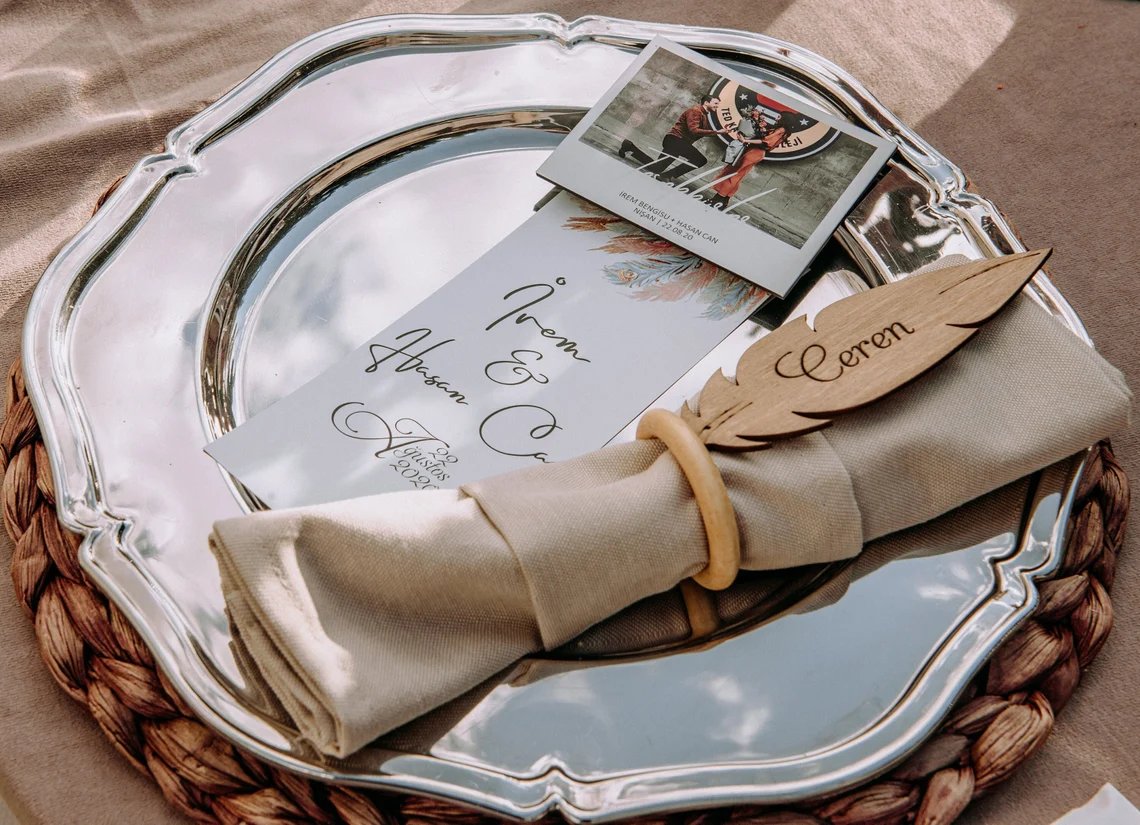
(797, 379)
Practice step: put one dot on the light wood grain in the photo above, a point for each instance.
(708, 489)
(862, 348)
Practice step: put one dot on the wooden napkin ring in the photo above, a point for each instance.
(708, 488)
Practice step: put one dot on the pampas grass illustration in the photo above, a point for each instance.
(654, 269)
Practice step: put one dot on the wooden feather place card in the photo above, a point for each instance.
(857, 350)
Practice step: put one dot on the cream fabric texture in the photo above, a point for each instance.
(361, 615)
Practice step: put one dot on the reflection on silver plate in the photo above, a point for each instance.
(313, 204)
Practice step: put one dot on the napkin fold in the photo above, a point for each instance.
(362, 615)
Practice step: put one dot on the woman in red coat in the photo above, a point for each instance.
(758, 138)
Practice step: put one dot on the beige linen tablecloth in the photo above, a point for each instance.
(1035, 100)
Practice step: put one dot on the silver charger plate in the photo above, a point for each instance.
(317, 201)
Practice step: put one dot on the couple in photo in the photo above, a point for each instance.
(750, 142)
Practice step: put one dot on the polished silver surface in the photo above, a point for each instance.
(317, 201)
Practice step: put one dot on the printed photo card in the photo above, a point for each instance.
(737, 173)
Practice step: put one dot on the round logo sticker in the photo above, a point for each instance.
(804, 135)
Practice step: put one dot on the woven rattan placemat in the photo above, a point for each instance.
(98, 659)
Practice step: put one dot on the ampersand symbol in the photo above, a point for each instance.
(515, 371)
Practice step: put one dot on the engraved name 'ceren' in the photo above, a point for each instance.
(814, 363)
(414, 361)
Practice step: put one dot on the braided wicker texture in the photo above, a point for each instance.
(98, 659)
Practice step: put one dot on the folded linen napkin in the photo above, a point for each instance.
(361, 615)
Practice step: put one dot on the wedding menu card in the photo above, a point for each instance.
(741, 174)
(541, 350)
